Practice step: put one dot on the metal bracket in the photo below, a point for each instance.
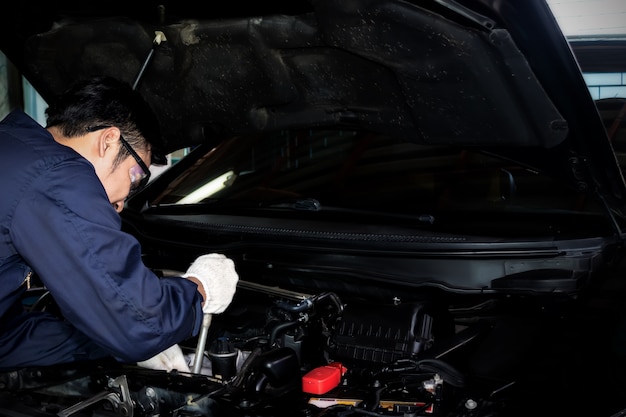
(120, 401)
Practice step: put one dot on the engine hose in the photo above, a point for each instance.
(446, 371)
(308, 303)
(335, 299)
(300, 307)
(238, 380)
(376, 400)
(280, 328)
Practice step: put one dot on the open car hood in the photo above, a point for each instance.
(493, 75)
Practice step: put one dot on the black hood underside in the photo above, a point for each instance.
(438, 72)
(385, 65)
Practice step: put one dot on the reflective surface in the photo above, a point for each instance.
(348, 172)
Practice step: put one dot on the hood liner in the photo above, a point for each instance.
(430, 76)
(247, 75)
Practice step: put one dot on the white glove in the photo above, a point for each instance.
(168, 360)
(217, 274)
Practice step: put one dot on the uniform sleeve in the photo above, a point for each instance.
(67, 231)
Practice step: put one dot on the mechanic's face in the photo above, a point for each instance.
(102, 149)
(118, 181)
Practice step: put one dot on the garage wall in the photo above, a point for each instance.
(590, 17)
(606, 85)
(17, 92)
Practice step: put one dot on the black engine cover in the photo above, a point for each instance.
(385, 333)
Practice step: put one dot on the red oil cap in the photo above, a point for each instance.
(322, 379)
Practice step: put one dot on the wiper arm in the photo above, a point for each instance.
(301, 204)
(312, 204)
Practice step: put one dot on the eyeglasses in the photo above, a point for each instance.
(139, 174)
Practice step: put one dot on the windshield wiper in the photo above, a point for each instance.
(299, 204)
(309, 204)
(312, 204)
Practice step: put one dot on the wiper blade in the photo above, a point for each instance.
(305, 204)
(308, 204)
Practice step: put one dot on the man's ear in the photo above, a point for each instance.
(106, 139)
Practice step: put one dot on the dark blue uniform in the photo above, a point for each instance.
(56, 220)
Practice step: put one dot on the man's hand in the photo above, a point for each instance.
(168, 360)
(216, 273)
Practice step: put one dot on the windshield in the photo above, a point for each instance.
(317, 170)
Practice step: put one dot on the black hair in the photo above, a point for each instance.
(109, 102)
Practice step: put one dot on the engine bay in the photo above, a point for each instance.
(277, 351)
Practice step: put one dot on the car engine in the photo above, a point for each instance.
(276, 352)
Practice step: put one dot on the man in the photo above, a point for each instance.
(62, 188)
